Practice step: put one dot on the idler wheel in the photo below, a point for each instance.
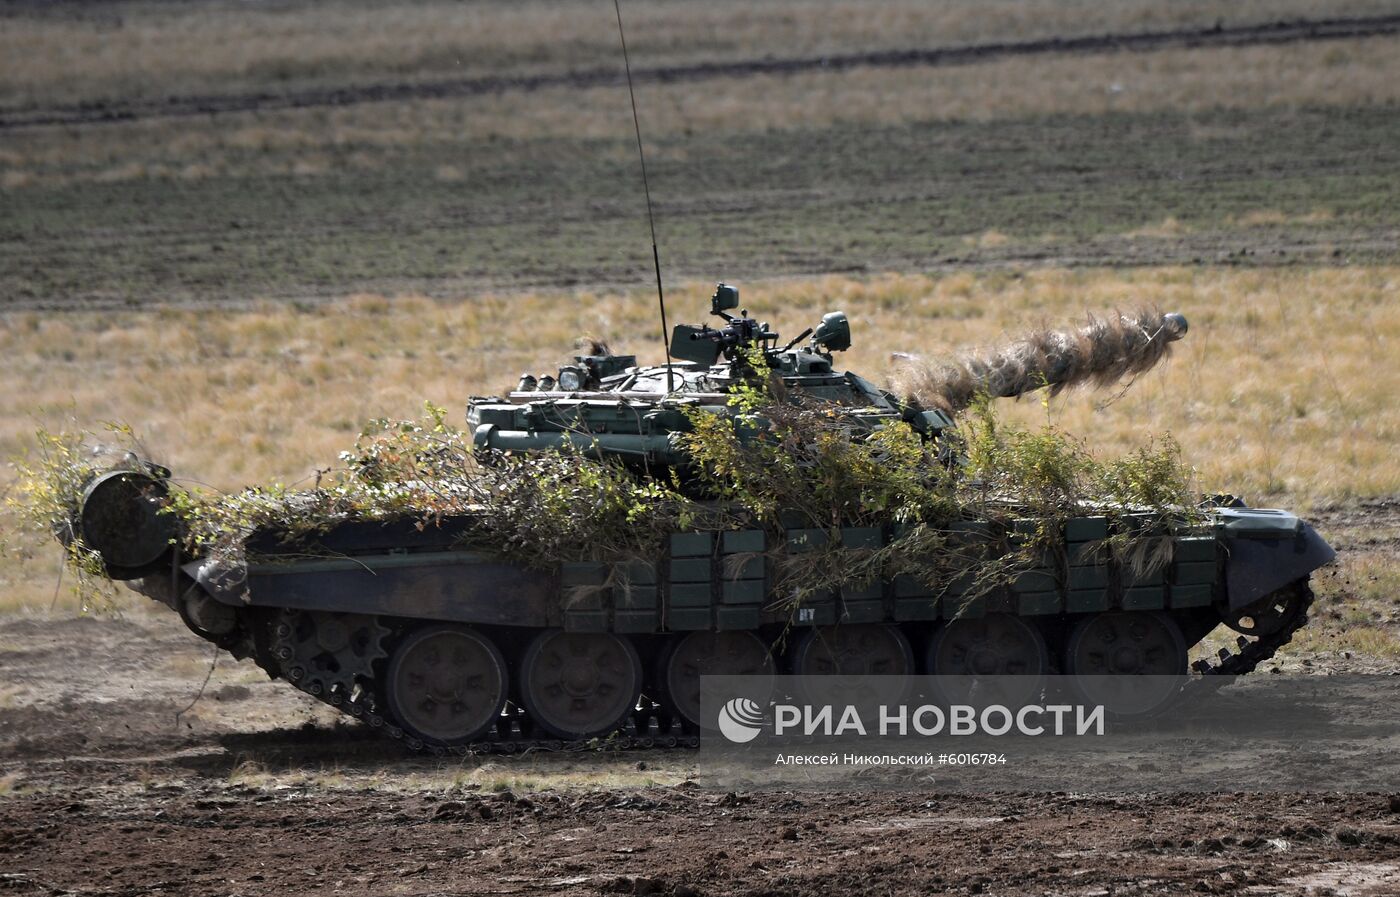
(580, 684)
(1131, 662)
(1269, 615)
(995, 659)
(735, 653)
(447, 684)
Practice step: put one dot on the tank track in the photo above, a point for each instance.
(1252, 653)
(648, 729)
(515, 742)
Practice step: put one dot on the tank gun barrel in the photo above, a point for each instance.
(1098, 354)
(121, 518)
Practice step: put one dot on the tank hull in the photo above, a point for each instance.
(340, 615)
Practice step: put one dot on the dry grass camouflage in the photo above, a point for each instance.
(1099, 354)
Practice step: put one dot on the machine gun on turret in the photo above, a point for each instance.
(705, 344)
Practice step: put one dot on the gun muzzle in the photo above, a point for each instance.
(122, 517)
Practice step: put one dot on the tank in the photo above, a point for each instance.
(454, 647)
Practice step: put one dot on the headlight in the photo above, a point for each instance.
(570, 379)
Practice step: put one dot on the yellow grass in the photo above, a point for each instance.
(1328, 645)
(1374, 580)
(1283, 385)
(456, 778)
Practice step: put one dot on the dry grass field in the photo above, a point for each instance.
(246, 228)
(1282, 391)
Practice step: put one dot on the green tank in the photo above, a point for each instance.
(452, 646)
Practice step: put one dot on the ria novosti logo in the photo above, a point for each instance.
(740, 720)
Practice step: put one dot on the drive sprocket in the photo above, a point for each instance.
(325, 653)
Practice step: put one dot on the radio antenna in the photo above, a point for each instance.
(646, 188)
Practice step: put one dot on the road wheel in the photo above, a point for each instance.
(447, 684)
(860, 649)
(1131, 662)
(737, 653)
(580, 684)
(861, 664)
(995, 659)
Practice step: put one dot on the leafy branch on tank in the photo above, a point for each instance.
(981, 523)
(52, 478)
(811, 469)
(982, 504)
(539, 509)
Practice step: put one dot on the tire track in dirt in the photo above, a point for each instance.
(1278, 32)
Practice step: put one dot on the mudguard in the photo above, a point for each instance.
(1266, 550)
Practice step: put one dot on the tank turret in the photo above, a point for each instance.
(607, 405)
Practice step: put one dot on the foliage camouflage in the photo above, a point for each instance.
(810, 465)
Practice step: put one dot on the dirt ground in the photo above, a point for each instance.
(109, 788)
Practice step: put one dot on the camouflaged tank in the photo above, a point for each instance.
(452, 647)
